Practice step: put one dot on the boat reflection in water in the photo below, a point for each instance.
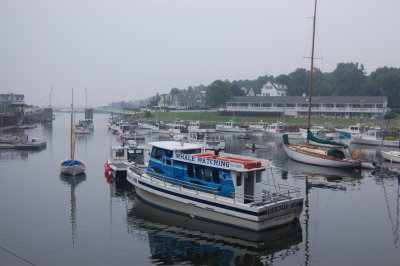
(179, 239)
(73, 181)
(333, 178)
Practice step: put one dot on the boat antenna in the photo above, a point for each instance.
(310, 89)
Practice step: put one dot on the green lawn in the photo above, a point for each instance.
(213, 116)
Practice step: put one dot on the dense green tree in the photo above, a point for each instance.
(217, 93)
(236, 90)
(175, 91)
(298, 82)
(385, 81)
(349, 78)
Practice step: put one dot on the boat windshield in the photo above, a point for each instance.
(192, 151)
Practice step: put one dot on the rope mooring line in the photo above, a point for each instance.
(15, 255)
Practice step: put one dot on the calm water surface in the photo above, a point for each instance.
(350, 217)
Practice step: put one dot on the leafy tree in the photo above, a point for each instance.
(175, 91)
(236, 90)
(349, 78)
(298, 82)
(217, 93)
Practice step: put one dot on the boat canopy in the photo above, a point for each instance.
(310, 136)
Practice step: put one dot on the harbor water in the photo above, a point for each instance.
(350, 217)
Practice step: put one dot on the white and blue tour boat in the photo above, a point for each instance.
(217, 187)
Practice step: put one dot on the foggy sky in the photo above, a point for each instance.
(130, 50)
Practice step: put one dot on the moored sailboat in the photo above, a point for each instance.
(72, 166)
(311, 154)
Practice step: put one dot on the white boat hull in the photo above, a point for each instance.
(374, 142)
(214, 208)
(291, 135)
(318, 159)
(230, 129)
(392, 156)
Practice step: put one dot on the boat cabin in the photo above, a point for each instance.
(119, 154)
(187, 164)
(275, 127)
(136, 155)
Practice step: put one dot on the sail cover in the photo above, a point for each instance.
(310, 136)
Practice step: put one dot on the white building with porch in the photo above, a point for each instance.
(297, 106)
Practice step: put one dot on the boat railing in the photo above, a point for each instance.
(280, 192)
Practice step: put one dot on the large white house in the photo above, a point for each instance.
(273, 89)
(322, 106)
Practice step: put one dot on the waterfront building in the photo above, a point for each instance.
(11, 109)
(11, 99)
(273, 89)
(297, 106)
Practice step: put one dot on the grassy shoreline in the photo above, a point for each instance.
(212, 116)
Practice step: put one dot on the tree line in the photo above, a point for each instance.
(348, 79)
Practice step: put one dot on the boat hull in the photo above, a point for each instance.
(391, 156)
(293, 135)
(72, 170)
(375, 142)
(319, 160)
(206, 207)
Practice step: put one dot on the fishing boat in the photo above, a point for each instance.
(72, 166)
(306, 153)
(117, 164)
(217, 187)
(257, 127)
(177, 128)
(276, 130)
(230, 127)
(346, 133)
(374, 138)
(209, 139)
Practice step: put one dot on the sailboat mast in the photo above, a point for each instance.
(310, 89)
(72, 127)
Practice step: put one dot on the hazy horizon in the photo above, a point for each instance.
(130, 50)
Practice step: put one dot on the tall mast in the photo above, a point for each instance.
(85, 97)
(72, 127)
(310, 89)
(51, 93)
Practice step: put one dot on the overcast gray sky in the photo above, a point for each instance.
(130, 50)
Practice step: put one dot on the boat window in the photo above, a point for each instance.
(190, 171)
(239, 180)
(215, 175)
(207, 174)
(198, 173)
(258, 177)
(119, 153)
(168, 153)
(193, 151)
(156, 153)
(168, 162)
(139, 151)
